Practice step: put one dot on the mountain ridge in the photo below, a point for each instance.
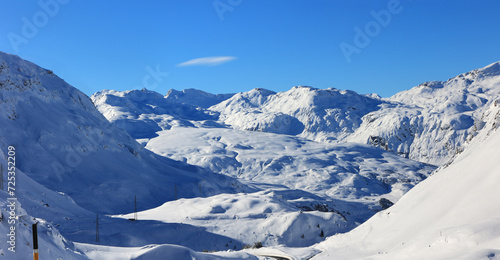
(427, 123)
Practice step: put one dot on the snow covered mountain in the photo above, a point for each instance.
(142, 112)
(428, 123)
(75, 150)
(350, 181)
(324, 115)
(200, 136)
(297, 166)
(72, 163)
(450, 215)
(72, 148)
(431, 122)
(196, 97)
(304, 139)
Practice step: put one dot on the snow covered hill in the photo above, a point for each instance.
(318, 114)
(268, 217)
(60, 218)
(340, 171)
(65, 144)
(347, 182)
(451, 215)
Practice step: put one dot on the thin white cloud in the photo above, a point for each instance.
(207, 61)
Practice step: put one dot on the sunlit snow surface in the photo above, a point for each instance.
(454, 214)
(283, 169)
(342, 171)
(309, 187)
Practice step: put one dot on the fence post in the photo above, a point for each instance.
(35, 241)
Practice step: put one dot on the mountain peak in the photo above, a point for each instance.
(491, 70)
(262, 91)
(196, 97)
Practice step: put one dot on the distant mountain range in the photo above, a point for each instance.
(428, 123)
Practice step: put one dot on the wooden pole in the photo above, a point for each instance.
(35, 242)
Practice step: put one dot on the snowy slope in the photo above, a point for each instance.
(61, 221)
(451, 215)
(158, 252)
(65, 144)
(340, 171)
(267, 217)
(30, 197)
(52, 245)
(348, 180)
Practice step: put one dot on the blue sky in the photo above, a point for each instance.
(276, 44)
